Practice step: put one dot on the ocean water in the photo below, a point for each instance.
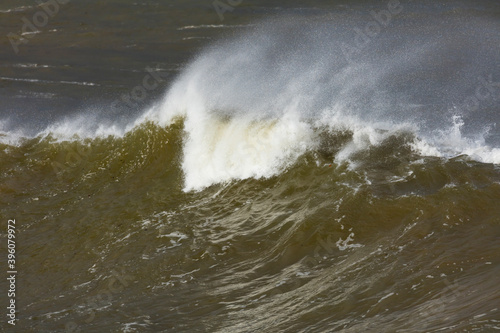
(249, 166)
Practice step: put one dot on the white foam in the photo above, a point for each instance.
(83, 127)
(217, 151)
(225, 142)
(452, 142)
(9, 136)
(251, 106)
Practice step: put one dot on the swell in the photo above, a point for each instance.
(254, 103)
(385, 240)
(267, 193)
(46, 167)
(231, 150)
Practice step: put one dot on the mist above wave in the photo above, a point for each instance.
(252, 103)
(290, 76)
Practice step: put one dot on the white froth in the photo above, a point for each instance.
(451, 142)
(218, 151)
(82, 127)
(251, 106)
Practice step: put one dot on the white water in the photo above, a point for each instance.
(255, 103)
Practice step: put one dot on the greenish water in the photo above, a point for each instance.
(259, 179)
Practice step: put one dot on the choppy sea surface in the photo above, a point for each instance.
(251, 166)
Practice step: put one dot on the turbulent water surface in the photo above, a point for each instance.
(251, 166)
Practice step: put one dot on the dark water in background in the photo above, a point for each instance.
(104, 48)
(264, 176)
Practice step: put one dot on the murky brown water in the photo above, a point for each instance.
(219, 219)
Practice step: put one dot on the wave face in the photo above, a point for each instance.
(299, 176)
(388, 241)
